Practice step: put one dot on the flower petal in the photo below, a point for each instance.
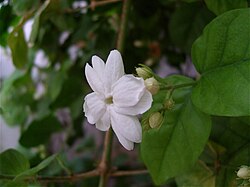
(142, 106)
(125, 142)
(114, 69)
(99, 66)
(127, 126)
(128, 90)
(104, 123)
(94, 79)
(93, 107)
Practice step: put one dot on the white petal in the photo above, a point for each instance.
(142, 106)
(127, 126)
(98, 66)
(125, 143)
(94, 107)
(114, 69)
(94, 79)
(104, 123)
(128, 90)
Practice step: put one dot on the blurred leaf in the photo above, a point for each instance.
(222, 56)
(55, 82)
(19, 48)
(177, 144)
(16, 184)
(37, 20)
(187, 23)
(39, 131)
(16, 95)
(221, 6)
(200, 176)
(37, 168)
(13, 162)
(21, 7)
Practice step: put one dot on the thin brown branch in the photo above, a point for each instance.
(75, 177)
(128, 173)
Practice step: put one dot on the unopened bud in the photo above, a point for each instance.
(152, 85)
(144, 72)
(169, 104)
(244, 172)
(155, 120)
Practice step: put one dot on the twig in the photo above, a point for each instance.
(75, 177)
(104, 165)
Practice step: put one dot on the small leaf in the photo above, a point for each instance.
(19, 48)
(13, 162)
(177, 144)
(221, 6)
(37, 168)
(222, 56)
(39, 131)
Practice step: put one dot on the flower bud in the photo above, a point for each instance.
(144, 72)
(155, 120)
(169, 104)
(244, 172)
(152, 85)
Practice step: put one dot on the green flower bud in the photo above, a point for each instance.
(144, 72)
(169, 104)
(244, 172)
(152, 85)
(155, 120)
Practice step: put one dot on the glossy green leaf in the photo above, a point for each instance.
(39, 131)
(221, 6)
(13, 162)
(222, 56)
(37, 168)
(186, 24)
(19, 48)
(176, 145)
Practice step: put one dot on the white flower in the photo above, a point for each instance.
(116, 100)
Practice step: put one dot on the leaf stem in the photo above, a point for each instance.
(173, 87)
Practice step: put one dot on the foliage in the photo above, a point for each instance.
(203, 135)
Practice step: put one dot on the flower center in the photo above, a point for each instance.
(109, 100)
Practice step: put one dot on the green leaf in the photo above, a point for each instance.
(200, 176)
(187, 22)
(176, 145)
(21, 7)
(37, 20)
(221, 6)
(222, 56)
(13, 162)
(19, 48)
(37, 168)
(39, 131)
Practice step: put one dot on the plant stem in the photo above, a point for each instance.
(104, 166)
(173, 87)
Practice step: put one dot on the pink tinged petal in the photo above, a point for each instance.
(94, 107)
(104, 123)
(94, 79)
(142, 106)
(114, 69)
(128, 90)
(127, 126)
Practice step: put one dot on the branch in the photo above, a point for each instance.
(75, 177)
